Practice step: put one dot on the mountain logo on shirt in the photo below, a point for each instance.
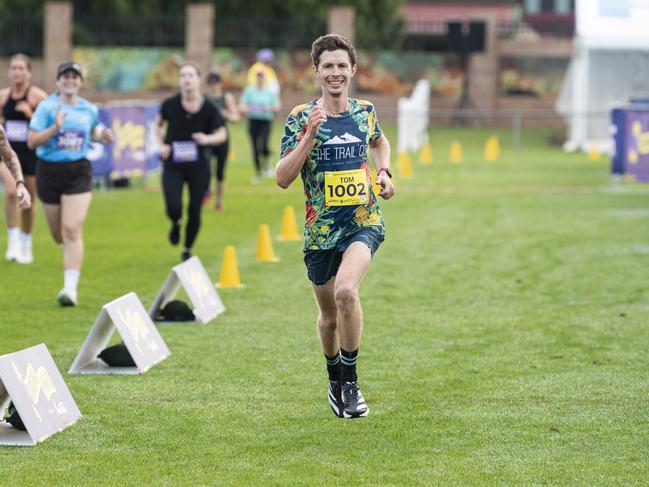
(346, 138)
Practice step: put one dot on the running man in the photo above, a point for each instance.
(60, 130)
(327, 142)
(17, 104)
(193, 126)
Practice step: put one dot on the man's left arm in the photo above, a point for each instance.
(11, 160)
(380, 151)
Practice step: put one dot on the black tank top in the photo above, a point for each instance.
(16, 126)
(219, 103)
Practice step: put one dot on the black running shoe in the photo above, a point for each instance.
(186, 254)
(335, 397)
(174, 234)
(353, 403)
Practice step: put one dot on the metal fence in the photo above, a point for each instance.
(21, 33)
(158, 31)
(269, 32)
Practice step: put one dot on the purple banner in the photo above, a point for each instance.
(636, 161)
(101, 155)
(129, 146)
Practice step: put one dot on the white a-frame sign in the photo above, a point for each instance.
(191, 275)
(144, 343)
(30, 379)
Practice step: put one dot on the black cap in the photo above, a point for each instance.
(213, 78)
(69, 66)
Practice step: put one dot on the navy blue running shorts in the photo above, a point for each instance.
(322, 265)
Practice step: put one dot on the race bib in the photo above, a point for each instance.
(71, 140)
(185, 151)
(17, 130)
(346, 188)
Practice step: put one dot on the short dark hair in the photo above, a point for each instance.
(214, 78)
(331, 42)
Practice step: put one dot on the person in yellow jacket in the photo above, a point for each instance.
(264, 62)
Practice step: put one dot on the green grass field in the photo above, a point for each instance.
(505, 342)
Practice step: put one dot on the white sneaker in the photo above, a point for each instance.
(256, 179)
(25, 255)
(269, 172)
(13, 249)
(67, 297)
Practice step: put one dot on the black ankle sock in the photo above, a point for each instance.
(333, 366)
(348, 361)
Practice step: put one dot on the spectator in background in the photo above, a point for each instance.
(227, 107)
(265, 58)
(17, 104)
(60, 131)
(260, 105)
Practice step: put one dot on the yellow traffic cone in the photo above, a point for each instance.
(455, 153)
(492, 149)
(231, 153)
(229, 269)
(288, 231)
(265, 245)
(426, 155)
(405, 165)
(593, 153)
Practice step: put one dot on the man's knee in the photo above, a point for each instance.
(346, 296)
(327, 322)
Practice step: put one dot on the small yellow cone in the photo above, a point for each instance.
(231, 153)
(405, 165)
(229, 269)
(426, 155)
(492, 149)
(265, 245)
(455, 153)
(593, 153)
(288, 232)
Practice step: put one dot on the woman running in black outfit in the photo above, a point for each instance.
(193, 126)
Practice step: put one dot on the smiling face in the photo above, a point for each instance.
(69, 83)
(334, 72)
(189, 78)
(19, 72)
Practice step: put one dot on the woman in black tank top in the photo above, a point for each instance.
(227, 106)
(17, 103)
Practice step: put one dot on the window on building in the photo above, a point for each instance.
(532, 6)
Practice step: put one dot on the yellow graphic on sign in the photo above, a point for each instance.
(346, 188)
(642, 142)
(36, 381)
(128, 136)
(137, 328)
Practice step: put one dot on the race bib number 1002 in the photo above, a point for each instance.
(346, 188)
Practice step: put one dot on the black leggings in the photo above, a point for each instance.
(221, 154)
(259, 131)
(197, 177)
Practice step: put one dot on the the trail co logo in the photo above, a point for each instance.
(346, 138)
(642, 142)
(137, 328)
(38, 381)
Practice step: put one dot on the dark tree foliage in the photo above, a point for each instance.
(377, 21)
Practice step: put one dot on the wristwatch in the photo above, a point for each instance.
(386, 171)
(20, 181)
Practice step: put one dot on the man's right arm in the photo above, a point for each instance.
(291, 164)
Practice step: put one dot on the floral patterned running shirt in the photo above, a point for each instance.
(336, 175)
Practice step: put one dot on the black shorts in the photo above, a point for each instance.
(27, 159)
(54, 179)
(322, 265)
